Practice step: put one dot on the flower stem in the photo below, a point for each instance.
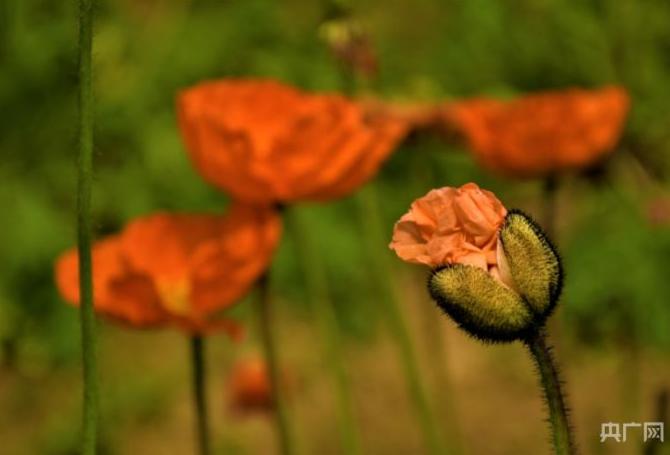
(374, 238)
(433, 337)
(84, 184)
(549, 193)
(324, 311)
(199, 394)
(265, 325)
(558, 413)
(423, 178)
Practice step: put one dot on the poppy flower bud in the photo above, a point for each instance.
(530, 262)
(517, 297)
(480, 304)
(495, 272)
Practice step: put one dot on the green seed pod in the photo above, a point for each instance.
(530, 263)
(479, 303)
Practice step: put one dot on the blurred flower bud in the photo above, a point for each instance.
(350, 45)
(658, 212)
(248, 387)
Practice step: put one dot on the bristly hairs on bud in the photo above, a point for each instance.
(480, 305)
(556, 277)
(491, 311)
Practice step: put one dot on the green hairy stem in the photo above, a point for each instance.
(558, 412)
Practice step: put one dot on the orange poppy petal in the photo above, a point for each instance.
(544, 132)
(451, 225)
(264, 141)
(226, 267)
(161, 245)
(106, 266)
(118, 293)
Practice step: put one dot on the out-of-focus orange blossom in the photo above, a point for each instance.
(248, 388)
(658, 212)
(177, 269)
(261, 140)
(541, 133)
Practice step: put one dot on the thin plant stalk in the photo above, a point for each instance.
(630, 379)
(423, 178)
(199, 394)
(653, 446)
(558, 412)
(381, 269)
(84, 185)
(434, 337)
(265, 326)
(374, 237)
(324, 311)
(549, 193)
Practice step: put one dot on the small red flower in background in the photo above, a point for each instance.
(542, 133)
(177, 269)
(248, 387)
(263, 141)
(658, 212)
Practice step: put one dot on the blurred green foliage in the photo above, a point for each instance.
(617, 267)
(146, 51)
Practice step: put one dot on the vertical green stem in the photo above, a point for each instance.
(375, 240)
(265, 326)
(662, 397)
(322, 307)
(85, 165)
(199, 394)
(630, 379)
(434, 337)
(558, 413)
(549, 189)
(423, 179)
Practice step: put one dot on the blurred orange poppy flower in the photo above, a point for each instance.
(544, 132)
(248, 387)
(261, 140)
(177, 269)
(658, 211)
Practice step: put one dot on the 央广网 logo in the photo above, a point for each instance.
(613, 430)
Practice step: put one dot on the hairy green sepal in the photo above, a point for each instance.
(490, 310)
(533, 264)
(479, 303)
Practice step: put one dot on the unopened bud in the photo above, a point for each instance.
(479, 303)
(531, 262)
(516, 299)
